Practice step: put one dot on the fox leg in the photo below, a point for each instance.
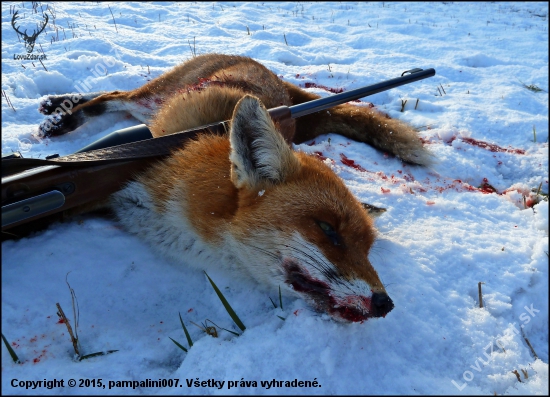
(362, 124)
(68, 112)
(52, 102)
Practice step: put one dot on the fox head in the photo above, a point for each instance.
(297, 225)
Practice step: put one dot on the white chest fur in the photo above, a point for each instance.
(167, 230)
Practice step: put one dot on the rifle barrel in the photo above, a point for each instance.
(141, 132)
(136, 133)
(317, 105)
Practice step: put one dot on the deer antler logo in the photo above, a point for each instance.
(29, 40)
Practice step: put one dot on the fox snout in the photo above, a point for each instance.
(355, 306)
(381, 304)
(360, 308)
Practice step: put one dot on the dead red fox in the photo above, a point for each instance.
(248, 201)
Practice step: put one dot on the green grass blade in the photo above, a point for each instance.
(227, 306)
(178, 345)
(280, 298)
(273, 303)
(233, 332)
(282, 318)
(186, 333)
(96, 354)
(12, 353)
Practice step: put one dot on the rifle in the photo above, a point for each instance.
(36, 192)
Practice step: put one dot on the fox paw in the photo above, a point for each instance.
(62, 102)
(52, 102)
(58, 124)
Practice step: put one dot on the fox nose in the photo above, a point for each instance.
(381, 304)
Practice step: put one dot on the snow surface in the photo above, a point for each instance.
(440, 236)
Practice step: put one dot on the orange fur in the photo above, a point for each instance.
(216, 206)
(285, 217)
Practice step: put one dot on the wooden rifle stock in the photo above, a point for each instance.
(37, 192)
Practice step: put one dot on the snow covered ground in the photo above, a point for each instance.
(447, 228)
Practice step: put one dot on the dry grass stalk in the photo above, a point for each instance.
(62, 315)
(113, 18)
(515, 371)
(8, 100)
(525, 374)
(480, 295)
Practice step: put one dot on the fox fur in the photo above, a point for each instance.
(247, 201)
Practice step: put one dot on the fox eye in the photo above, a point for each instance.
(329, 232)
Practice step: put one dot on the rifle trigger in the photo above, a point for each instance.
(415, 70)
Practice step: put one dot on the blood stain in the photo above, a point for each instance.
(491, 146)
(350, 163)
(320, 156)
(324, 87)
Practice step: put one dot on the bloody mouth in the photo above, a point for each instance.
(353, 308)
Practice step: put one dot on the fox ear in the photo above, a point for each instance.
(259, 153)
